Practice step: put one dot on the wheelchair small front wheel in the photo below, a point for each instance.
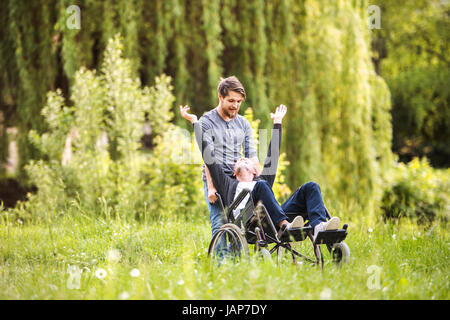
(228, 242)
(262, 251)
(340, 253)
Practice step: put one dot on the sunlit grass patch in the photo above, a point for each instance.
(93, 258)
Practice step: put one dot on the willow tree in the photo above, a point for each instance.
(310, 55)
(28, 65)
(341, 110)
(412, 55)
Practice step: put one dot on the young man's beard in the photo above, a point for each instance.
(229, 114)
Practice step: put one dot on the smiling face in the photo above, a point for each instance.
(230, 104)
(244, 170)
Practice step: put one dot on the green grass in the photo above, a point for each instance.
(171, 257)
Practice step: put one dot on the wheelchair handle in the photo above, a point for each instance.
(220, 200)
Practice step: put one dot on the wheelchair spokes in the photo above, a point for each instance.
(228, 242)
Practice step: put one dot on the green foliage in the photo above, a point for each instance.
(214, 46)
(313, 56)
(411, 53)
(338, 117)
(416, 190)
(92, 154)
(421, 98)
(172, 175)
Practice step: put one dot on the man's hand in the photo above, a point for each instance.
(256, 165)
(280, 112)
(189, 117)
(211, 189)
(212, 195)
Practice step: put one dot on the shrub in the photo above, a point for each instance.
(173, 174)
(416, 190)
(91, 153)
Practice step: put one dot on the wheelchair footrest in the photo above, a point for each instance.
(295, 234)
(330, 236)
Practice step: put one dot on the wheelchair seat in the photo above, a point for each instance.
(250, 217)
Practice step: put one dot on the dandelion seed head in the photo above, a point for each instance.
(113, 255)
(135, 273)
(124, 295)
(101, 273)
(325, 294)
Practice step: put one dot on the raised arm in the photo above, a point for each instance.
(273, 153)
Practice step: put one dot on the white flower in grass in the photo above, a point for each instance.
(53, 287)
(135, 273)
(124, 295)
(325, 294)
(101, 273)
(370, 230)
(113, 255)
(394, 236)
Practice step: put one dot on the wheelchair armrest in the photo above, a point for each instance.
(239, 199)
(241, 196)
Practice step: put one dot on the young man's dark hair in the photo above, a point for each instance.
(231, 83)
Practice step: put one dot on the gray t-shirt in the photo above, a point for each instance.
(232, 139)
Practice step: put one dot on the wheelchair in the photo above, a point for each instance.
(253, 225)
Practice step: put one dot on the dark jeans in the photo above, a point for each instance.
(306, 200)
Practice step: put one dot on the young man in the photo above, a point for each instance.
(307, 199)
(228, 132)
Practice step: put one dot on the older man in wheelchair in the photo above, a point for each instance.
(248, 198)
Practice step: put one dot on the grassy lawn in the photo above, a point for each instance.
(93, 258)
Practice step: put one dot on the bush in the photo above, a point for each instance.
(416, 190)
(173, 175)
(92, 159)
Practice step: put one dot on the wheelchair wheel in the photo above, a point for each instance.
(228, 242)
(340, 253)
